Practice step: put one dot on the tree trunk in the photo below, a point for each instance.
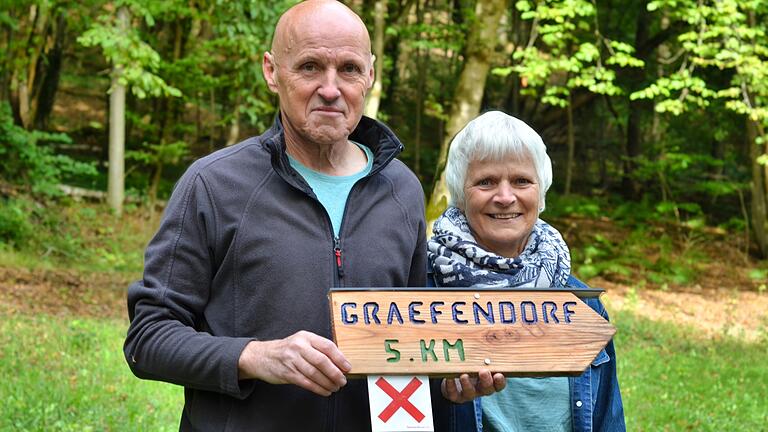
(50, 81)
(571, 148)
(469, 91)
(233, 136)
(374, 96)
(115, 180)
(29, 71)
(758, 188)
(637, 108)
(422, 55)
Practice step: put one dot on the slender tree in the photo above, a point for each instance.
(481, 40)
(373, 100)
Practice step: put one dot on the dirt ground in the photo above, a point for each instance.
(715, 312)
(63, 292)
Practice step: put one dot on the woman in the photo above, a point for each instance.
(498, 174)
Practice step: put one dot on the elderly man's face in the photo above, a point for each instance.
(321, 73)
(501, 203)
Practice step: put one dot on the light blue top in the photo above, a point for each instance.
(529, 404)
(332, 191)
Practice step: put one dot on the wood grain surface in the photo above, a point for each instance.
(549, 334)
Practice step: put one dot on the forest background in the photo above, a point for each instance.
(654, 114)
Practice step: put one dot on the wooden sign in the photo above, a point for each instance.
(543, 332)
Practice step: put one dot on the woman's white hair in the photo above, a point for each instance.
(495, 135)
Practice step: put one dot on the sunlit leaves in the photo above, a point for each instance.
(728, 35)
(568, 52)
(137, 60)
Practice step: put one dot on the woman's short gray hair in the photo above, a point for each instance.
(495, 135)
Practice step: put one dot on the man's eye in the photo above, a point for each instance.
(308, 67)
(484, 182)
(351, 68)
(523, 181)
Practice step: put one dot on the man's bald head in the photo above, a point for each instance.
(326, 13)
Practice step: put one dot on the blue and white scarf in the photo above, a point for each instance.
(458, 261)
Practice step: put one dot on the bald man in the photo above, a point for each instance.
(233, 302)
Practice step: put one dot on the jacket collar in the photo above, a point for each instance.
(369, 132)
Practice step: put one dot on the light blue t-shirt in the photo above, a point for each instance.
(332, 191)
(529, 404)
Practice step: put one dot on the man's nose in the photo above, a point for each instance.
(505, 194)
(329, 87)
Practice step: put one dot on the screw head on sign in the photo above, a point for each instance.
(487, 361)
(477, 296)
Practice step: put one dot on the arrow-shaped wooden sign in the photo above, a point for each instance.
(543, 332)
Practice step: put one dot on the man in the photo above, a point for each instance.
(233, 303)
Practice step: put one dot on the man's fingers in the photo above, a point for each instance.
(332, 352)
(322, 370)
(303, 359)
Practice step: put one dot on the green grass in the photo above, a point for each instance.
(69, 374)
(672, 380)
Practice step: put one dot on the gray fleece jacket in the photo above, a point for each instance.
(246, 252)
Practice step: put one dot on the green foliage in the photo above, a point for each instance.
(15, 226)
(672, 379)
(72, 234)
(160, 154)
(27, 159)
(69, 374)
(658, 247)
(727, 35)
(137, 61)
(567, 51)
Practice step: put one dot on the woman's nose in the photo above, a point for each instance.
(505, 194)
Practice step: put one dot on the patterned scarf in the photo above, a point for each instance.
(458, 261)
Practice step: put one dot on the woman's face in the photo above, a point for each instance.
(501, 203)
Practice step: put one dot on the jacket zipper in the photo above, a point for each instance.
(337, 253)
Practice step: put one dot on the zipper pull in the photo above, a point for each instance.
(337, 252)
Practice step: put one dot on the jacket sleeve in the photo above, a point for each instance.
(166, 339)
(608, 414)
(418, 273)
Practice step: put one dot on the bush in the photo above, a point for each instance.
(15, 225)
(25, 160)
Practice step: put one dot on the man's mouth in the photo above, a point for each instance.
(328, 109)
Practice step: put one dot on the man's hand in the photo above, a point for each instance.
(305, 359)
(464, 389)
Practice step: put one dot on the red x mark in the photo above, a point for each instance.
(400, 399)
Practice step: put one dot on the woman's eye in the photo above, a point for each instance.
(484, 182)
(523, 181)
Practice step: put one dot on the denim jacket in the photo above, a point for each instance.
(595, 397)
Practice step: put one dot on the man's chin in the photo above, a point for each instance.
(325, 134)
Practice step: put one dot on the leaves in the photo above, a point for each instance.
(135, 60)
(570, 52)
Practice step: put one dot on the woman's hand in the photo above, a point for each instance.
(464, 389)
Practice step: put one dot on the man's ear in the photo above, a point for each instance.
(372, 72)
(269, 69)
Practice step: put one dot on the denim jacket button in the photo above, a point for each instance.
(578, 404)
